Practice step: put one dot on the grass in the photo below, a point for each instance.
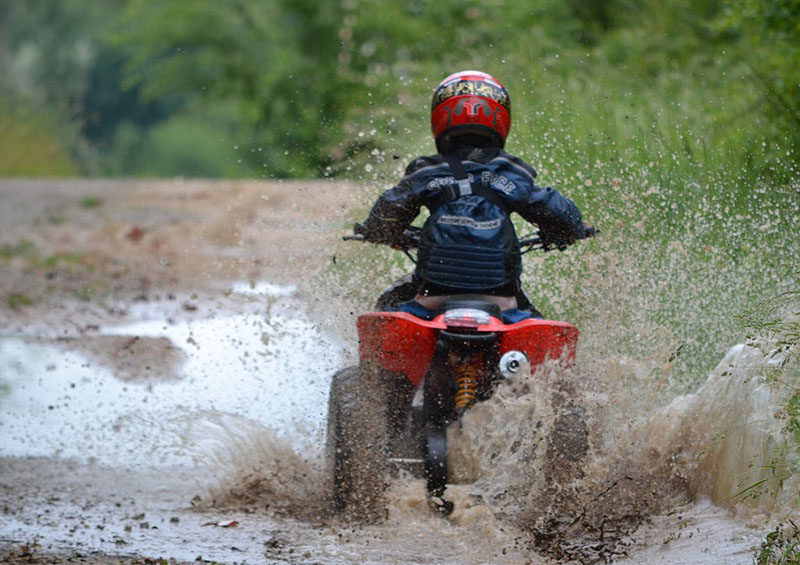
(30, 253)
(774, 326)
(90, 202)
(27, 250)
(781, 546)
(22, 249)
(31, 144)
(17, 300)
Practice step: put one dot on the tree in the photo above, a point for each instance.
(275, 58)
(304, 72)
(768, 32)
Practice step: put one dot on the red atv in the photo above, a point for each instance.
(414, 378)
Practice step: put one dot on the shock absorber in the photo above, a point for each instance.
(466, 375)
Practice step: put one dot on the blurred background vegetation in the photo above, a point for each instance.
(304, 88)
(675, 125)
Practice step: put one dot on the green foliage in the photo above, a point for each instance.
(792, 416)
(17, 300)
(28, 251)
(781, 546)
(767, 34)
(47, 48)
(91, 202)
(276, 60)
(774, 326)
(188, 144)
(29, 146)
(21, 249)
(780, 319)
(323, 87)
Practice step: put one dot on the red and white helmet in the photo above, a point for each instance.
(470, 102)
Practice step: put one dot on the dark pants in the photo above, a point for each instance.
(400, 298)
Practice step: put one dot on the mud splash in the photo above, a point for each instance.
(272, 369)
(559, 465)
(583, 478)
(537, 452)
(544, 470)
(251, 468)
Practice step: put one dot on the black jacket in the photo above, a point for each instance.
(468, 242)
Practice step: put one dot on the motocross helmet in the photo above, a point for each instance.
(470, 103)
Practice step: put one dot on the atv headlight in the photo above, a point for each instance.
(466, 318)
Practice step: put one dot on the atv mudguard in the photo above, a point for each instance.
(402, 343)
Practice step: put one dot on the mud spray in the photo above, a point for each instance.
(557, 463)
(568, 463)
(663, 412)
(574, 463)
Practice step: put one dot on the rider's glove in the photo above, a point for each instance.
(371, 235)
(408, 238)
(561, 242)
(552, 241)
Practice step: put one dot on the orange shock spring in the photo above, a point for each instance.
(466, 376)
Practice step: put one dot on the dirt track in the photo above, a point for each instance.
(105, 242)
(76, 255)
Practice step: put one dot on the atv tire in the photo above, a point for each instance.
(358, 441)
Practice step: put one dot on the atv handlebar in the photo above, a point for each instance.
(540, 241)
(410, 239)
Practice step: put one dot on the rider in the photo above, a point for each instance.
(471, 186)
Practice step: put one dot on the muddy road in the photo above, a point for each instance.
(164, 363)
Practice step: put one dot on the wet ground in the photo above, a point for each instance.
(128, 309)
(164, 366)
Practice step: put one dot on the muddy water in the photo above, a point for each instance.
(223, 462)
(269, 369)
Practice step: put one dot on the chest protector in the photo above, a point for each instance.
(468, 243)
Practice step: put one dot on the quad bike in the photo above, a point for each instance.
(414, 378)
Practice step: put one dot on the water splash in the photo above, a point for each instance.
(248, 467)
(729, 430)
(565, 455)
(270, 369)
